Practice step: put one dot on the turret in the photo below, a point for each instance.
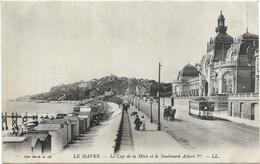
(221, 28)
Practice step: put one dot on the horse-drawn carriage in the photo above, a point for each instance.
(169, 113)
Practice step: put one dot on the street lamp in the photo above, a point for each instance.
(138, 104)
(151, 102)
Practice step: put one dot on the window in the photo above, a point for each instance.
(231, 109)
(241, 108)
(252, 113)
(227, 82)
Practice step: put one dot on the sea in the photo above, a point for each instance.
(34, 107)
(22, 108)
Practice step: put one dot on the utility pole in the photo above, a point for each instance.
(151, 107)
(159, 81)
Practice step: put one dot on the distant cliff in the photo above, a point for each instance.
(96, 87)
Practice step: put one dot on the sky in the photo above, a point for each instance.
(49, 43)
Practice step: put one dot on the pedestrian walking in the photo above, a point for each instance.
(174, 112)
(137, 123)
(125, 106)
(142, 123)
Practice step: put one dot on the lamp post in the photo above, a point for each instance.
(159, 81)
(151, 102)
(138, 104)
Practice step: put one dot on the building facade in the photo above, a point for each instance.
(187, 83)
(229, 68)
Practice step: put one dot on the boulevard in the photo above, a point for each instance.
(195, 133)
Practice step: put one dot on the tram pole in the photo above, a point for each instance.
(159, 111)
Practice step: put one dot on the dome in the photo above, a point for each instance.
(248, 36)
(243, 45)
(189, 70)
(221, 37)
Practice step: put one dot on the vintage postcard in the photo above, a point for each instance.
(130, 81)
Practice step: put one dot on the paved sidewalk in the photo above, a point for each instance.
(152, 140)
(224, 115)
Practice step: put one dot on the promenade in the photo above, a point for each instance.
(152, 140)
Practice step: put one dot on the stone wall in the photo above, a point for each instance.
(244, 106)
(184, 101)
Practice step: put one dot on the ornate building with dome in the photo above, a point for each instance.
(228, 68)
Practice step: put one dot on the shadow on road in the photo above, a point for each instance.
(175, 120)
(147, 130)
(179, 120)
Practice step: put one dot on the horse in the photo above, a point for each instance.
(165, 113)
(169, 113)
(172, 114)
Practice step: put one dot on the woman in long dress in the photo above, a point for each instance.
(137, 123)
(143, 123)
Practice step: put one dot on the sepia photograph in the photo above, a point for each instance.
(130, 81)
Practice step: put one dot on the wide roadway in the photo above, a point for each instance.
(194, 133)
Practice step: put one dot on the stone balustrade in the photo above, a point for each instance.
(244, 95)
(224, 63)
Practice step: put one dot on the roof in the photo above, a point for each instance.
(83, 116)
(242, 45)
(248, 36)
(42, 135)
(72, 118)
(223, 38)
(38, 135)
(189, 70)
(13, 139)
(48, 126)
(85, 109)
(54, 121)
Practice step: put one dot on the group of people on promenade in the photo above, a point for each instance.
(125, 105)
(139, 122)
(168, 114)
